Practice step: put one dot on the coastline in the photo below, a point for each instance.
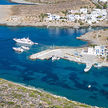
(69, 54)
(50, 26)
(96, 37)
(46, 25)
(20, 16)
(23, 2)
(39, 91)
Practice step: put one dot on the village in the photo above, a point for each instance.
(83, 15)
(95, 15)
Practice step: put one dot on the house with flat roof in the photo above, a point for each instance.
(83, 10)
(97, 51)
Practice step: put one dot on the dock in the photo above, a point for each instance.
(47, 54)
(72, 54)
(88, 67)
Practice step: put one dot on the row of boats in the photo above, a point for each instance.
(25, 42)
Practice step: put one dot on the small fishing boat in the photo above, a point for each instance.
(25, 47)
(89, 86)
(18, 49)
(55, 58)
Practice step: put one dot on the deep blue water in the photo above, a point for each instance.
(6, 2)
(61, 77)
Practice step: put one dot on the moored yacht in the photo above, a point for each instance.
(18, 49)
(24, 41)
(25, 47)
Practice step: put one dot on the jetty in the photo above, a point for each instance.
(88, 67)
(47, 54)
(72, 54)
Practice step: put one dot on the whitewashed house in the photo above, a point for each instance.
(83, 17)
(71, 17)
(14, 18)
(100, 50)
(97, 50)
(73, 11)
(53, 16)
(91, 51)
(77, 17)
(83, 10)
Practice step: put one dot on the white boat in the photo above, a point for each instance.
(25, 47)
(88, 67)
(24, 41)
(18, 49)
(55, 58)
(89, 86)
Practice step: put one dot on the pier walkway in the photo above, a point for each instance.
(72, 54)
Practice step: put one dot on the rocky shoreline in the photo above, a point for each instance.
(16, 95)
(99, 37)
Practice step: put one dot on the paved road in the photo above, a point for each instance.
(96, 2)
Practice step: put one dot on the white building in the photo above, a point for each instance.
(100, 50)
(77, 17)
(73, 11)
(53, 16)
(91, 51)
(83, 17)
(97, 50)
(71, 17)
(83, 10)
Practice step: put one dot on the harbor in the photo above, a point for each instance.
(61, 77)
(72, 54)
(54, 53)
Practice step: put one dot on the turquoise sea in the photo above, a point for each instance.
(62, 77)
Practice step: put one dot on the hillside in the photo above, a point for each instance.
(16, 96)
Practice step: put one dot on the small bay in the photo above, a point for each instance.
(62, 77)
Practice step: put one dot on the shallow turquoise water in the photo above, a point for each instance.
(61, 77)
